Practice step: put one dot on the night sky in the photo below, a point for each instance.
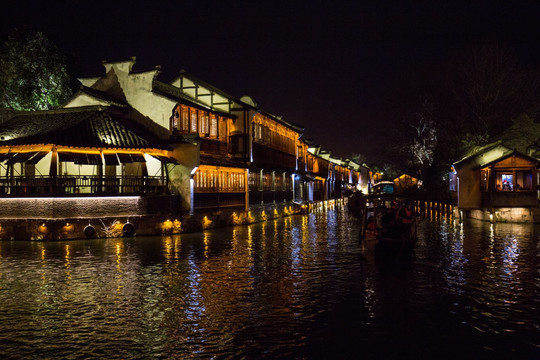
(345, 70)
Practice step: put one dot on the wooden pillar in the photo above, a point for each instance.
(246, 190)
(53, 171)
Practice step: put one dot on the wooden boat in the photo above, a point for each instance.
(381, 228)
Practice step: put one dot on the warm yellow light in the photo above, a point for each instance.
(206, 223)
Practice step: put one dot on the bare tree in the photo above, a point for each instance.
(483, 91)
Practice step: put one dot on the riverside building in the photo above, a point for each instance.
(132, 154)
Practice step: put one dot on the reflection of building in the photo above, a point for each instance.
(128, 144)
(496, 182)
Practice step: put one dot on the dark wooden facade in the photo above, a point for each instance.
(509, 182)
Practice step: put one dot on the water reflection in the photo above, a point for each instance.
(296, 287)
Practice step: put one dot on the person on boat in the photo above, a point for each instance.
(385, 222)
(404, 219)
(371, 226)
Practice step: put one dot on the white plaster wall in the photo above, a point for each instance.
(138, 91)
(43, 166)
(69, 168)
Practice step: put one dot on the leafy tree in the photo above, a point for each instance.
(33, 73)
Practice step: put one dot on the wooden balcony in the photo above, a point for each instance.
(82, 186)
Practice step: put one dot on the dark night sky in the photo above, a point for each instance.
(342, 69)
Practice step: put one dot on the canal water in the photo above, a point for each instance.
(301, 287)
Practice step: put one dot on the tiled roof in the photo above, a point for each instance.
(175, 94)
(119, 101)
(77, 127)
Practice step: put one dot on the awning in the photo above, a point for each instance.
(124, 158)
(94, 159)
(40, 155)
(137, 157)
(30, 157)
(66, 156)
(111, 159)
(6, 156)
(21, 157)
(80, 158)
(166, 159)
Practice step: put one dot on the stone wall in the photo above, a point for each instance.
(515, 215)
(115, 224)
(86, 207)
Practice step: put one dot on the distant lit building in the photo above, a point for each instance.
(495, 182)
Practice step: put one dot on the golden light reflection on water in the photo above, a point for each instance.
(217, 293)
(249, 239)
(167, 248)
(119, 274)
(206, 240)
(67, 262)
(43, 265)
(171, 247)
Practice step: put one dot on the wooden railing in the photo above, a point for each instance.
(68, 185)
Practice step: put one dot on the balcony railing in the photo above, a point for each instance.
(68, 185)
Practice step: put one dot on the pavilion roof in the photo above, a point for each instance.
(95, 126)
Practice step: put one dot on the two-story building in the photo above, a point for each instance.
(126, 142)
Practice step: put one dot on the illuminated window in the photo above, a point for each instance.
(193, 121)
(176, 119)
(213, 126)
(288, 183)
(185, 119)
(222, 128)
(254, 180)
(523, 181)
(504, 182)
(219, 181)
(278, 182)
(203, 126)
(267, 182)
